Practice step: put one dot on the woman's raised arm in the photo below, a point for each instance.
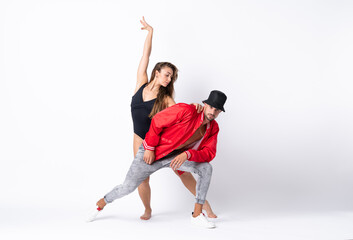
(142, 77)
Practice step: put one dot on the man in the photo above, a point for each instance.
(179, 138)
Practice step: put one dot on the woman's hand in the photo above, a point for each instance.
(145, 25)
(199, 107)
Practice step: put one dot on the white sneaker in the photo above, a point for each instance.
(93, 214)
(202, 221)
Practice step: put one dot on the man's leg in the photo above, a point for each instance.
(204, 170)
(190, 183)
(139, 171)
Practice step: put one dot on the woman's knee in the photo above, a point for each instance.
(146, 181)
(184, 175)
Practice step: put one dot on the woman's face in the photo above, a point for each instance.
(164, 77)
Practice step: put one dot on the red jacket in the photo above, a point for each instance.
(173, 126)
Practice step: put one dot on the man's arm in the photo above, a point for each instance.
(208, 149)
(149, 157)
(161, 120)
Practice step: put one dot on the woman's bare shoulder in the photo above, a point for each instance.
(170, 101)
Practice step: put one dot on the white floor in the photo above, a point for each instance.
(117, 222)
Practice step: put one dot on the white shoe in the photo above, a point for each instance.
(202, 221)
(93, 214)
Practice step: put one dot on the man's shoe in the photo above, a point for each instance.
(202, 221)
(93, 214)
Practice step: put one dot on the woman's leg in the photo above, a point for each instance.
(144, 188)
(190, 183)
(145, 194)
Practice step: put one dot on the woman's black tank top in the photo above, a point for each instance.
(140, 111)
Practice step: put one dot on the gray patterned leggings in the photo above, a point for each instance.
(139, 171)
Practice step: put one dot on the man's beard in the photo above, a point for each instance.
(210, 119)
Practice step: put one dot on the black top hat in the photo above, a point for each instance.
(216, 99)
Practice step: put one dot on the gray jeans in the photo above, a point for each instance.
(139, 171)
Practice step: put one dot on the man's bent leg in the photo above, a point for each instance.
(204, 171)
(190, 183)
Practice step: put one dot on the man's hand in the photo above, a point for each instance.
(148, 156)
(178, 161)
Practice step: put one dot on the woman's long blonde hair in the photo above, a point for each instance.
(163, 92)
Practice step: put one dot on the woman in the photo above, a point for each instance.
(150, 98)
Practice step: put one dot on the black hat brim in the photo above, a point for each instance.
(213, 105)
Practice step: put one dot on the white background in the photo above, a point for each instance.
(68, 71)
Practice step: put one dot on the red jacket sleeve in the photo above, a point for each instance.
(161, 120)
(207, 150)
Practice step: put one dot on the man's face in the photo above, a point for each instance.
(210, 112)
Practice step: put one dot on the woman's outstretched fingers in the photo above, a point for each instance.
(146, 26)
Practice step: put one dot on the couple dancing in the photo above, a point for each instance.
(180, 136)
